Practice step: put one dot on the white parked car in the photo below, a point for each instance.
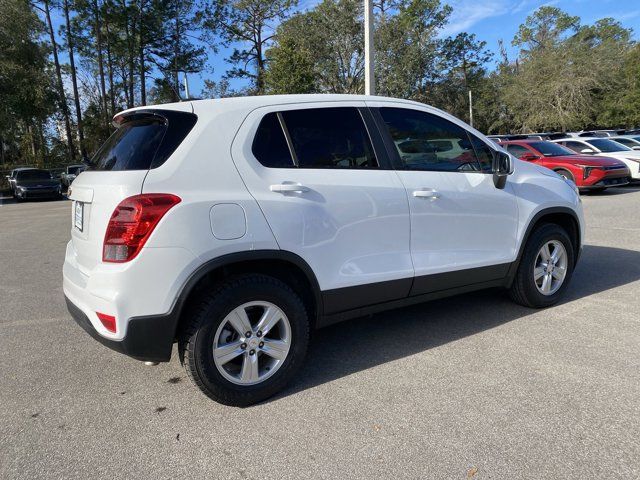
(605, 147)
(234, 227)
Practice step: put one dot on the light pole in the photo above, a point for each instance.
(369, 80)
(186, 86)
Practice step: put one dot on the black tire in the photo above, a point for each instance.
(205, 318)
(523, 289)
(566, 174)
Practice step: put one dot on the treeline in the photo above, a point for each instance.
(123, 53)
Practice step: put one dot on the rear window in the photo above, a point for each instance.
(144, 140)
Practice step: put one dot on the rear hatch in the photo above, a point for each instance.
(144, 139)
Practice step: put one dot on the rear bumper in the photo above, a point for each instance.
(140, 294)
(147, 339)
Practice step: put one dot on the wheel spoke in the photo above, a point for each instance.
(275, 348)
(546, 283)
(239, 320)
(226, 353)
(249, 372)
(269, 319)
(545, 253)
(558, 273)
(538, 273)
(557, 255)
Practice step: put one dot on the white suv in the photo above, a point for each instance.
(605, 147)
(234, 227)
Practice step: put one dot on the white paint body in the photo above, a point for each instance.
(352, 227)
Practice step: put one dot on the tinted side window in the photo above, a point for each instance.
(575, 146)
(517, 150)
(270, 145)
(429, 142)
(484, 153)
(329, 138)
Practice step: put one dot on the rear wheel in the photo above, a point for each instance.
(545, 268)
(246, 340)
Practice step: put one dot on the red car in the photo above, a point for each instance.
(587, 171)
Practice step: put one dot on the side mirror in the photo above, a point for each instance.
(502, 168)
(529, 156)
(586, 150)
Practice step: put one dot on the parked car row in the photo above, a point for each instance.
(28, 182)
(593, 163)
(619, 133)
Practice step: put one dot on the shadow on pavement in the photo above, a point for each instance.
(356, 345)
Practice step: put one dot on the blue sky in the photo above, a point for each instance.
(490, 20)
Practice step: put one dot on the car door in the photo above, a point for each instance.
(463, 228)
(330, 196)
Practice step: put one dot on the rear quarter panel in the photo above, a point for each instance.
(203, 175)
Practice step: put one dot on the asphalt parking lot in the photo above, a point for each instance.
(467, 387)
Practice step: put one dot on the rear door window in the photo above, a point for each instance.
(270, 145)
(143, 141)
(329, 138)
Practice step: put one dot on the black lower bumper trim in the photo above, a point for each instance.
(149, 339)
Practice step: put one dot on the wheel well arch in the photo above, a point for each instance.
(285, 266)
(563, 217)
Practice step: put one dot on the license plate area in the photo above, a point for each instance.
(78, 216)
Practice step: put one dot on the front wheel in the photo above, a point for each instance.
(545, 268)
(566, 174)
(246, 340)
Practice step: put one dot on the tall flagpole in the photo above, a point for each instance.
(369, 80)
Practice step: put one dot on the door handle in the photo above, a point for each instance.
(429, 193)
(288, 187)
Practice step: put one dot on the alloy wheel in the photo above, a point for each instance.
(252, 343)
(550, 267)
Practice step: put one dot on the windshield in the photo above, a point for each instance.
(608, 146)
(34, 175)
(549, 149)
(75, 170)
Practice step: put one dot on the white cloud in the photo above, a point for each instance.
(467, 13)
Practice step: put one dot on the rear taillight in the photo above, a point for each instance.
(131, 224)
